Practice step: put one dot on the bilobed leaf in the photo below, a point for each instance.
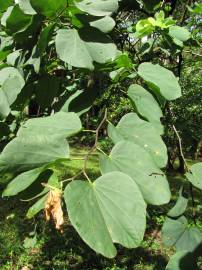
(146, 105)
(21, 182)
(97, 7)
(110, 210)
(49, 8)
(60, 124)
(134, 161)
(178, 233)
(195, 175)
(81, 48)
(161, 80)
(141, 132)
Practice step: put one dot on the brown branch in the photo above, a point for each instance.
(180, 146)
(94, 147)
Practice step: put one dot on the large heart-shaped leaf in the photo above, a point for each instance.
(110, 210)
(81, 48)
(133, 160)
(49, 8)
(146, 105)
(98, 7)
(161, 80)
(178, 233)
(141, 132)
(195, 175)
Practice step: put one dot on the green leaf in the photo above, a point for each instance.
(11, 83)
(197, 8)
(36, 207)
(144, 28)
(49, 8)
(6, 15)
(182, 260)
(4, 4)
(32, 151)
(30, 242)
(12, 58)
(179, 207)
(133, 160)
(146, 105)
(180, 33)
(162, 79)
(18, 21)
(98, 7)
(41, 147)
(81, 48)
(26, 7)
(81, 101)
(141, 132)
(45, 37)
(60, 124)
(105, 24)
(177, 232)
(110, 210)
(195, 175)
(21, 182)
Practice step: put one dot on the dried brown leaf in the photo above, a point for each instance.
(53, 208)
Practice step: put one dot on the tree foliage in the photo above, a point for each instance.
(57, 59)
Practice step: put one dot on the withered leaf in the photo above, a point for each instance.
(53, 208)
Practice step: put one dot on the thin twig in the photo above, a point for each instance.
(180, 146)
(72, 178)
(187, 170)
(94, 147)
